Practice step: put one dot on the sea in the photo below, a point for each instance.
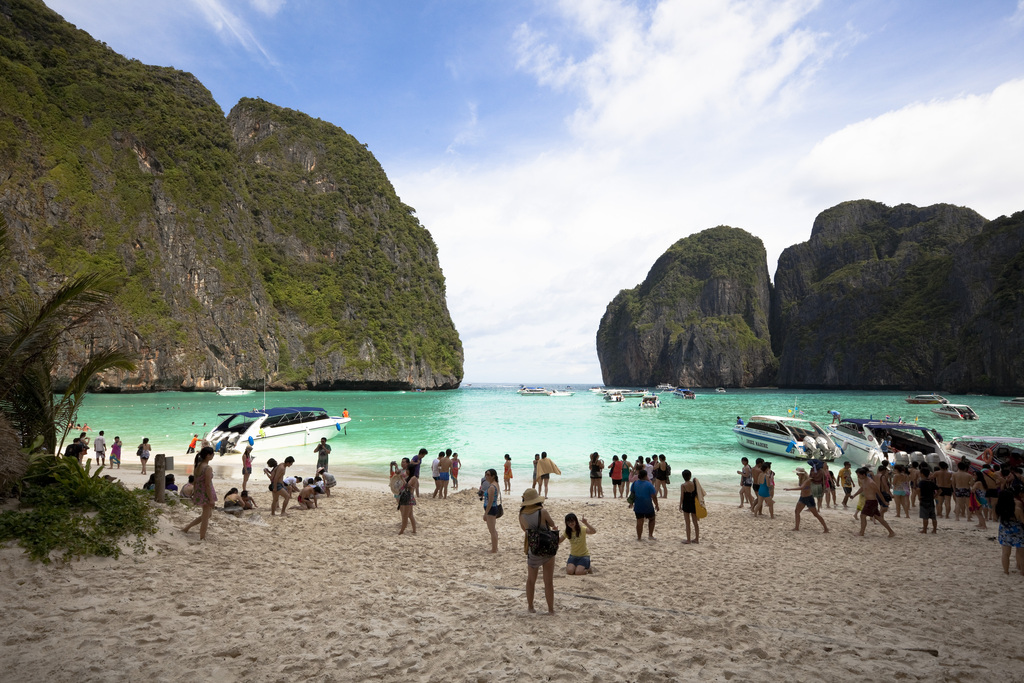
(483, 422)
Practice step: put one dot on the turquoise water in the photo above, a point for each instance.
(483, 422)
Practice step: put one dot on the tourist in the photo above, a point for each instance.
(874, 501)
(100, 446)
(634, 475)
(993, 482)
(204, 494)
(763, 484)
(596, 473)
(962, 482)
(435, 473)
(579, 555)
(444, 469)
(806, 500)
(830, 487)
(169, 484)
(456, 466)
(542, 546)
(649, 468)
(143, 453)
(944, 482)
(408, 485)
(188, 488)
(926, 489)
(246, 466)
(115, 452)
(661, 472)
(329, 480)
(979, 501)
(644, 504)
(233, 501)
(414, 470)
(547, 467)
(615, 473)
(624, 474)
(307, 496)
(536, 461)
(322, 452)
(278, 486)
(746, 483)
(508, 473)
(845, 479)
(492, 506)
(150, 484)
(915, 477)
(247, 502)
(192, 445)
(884, 488)
(1010, 512)
(818, 478)
(74, 450)
(901, 489)
(689, 493)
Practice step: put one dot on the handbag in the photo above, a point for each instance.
(496, 511)
(542, 542)
(702, 511)
(631, 498)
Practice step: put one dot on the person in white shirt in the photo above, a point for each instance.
(100, 446)
(435, 472)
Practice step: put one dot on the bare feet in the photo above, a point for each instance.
(891, 534)
(531, 610)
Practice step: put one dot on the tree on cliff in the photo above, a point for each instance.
(32, 329)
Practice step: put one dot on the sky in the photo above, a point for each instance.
(555, 148)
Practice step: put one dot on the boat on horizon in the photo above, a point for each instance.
(665, 387)
(650, 402)
(1019, 402)
(275, 428)
(613, 396)
(533, 391)
(788, 437)
(955, 411)
(235, 391)
(926, 399)
(557, 392)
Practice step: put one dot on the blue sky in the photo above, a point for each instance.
(555, 149)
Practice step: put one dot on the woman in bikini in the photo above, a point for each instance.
(246, 466)
(508, 473)
(901, 489)
(408, 481)
(203, 495)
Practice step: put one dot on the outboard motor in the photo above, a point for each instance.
(825, 446)
(917, 456)
(933, 460)
(810, 448)
(902, 458)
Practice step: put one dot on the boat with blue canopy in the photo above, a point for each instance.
(275, 428)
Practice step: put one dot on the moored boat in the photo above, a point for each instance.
(613, 396)
(665, 387)
(533, 391)
(785, 436)
(955, 411)
(720, 390)
(235, 391)
(1019, 402)
(684, 393)
(926, 399)
(276, 428)
(861, 440)
(557, 392)
(987, 450)
(650, 402)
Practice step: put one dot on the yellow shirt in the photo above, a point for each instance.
(578, 544)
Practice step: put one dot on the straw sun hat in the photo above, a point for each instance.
(531, 497)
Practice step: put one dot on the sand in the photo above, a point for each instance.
(335, 595)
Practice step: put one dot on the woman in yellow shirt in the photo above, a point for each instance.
(579, 554)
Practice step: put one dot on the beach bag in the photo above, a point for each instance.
(631, 498)
(702, 511)
(140, 451)
(496, 511)
(405, 497)
(542, 542)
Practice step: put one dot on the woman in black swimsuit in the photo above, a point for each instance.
(596, 468)
(688, 506)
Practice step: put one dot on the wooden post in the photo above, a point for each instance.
(159, 467)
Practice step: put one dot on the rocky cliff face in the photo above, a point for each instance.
(699, 319)
(878, 296)
(267, 244)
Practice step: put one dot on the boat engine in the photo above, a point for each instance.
(825, 447)
(810, 448)
(917, 456)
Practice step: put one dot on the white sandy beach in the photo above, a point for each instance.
(335, 595)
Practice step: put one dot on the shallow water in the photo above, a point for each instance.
(482, 422)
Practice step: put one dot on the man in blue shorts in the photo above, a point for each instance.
(645, 505)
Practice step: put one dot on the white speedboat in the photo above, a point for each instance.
(720, 390)
(533, 391)
(986, 450)
(684, 393)
(597, 390)
(665, 387)
(926, 399)
(556, 392)
(650, 402)
(634, 393)
(785, 436)
(235, 391)
(955, 411)
(276, 428)
(1019, 402)
(613, 396)
(861, 441)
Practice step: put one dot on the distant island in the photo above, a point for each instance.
(265, 245)
(879, 297)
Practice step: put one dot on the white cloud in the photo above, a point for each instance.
(1017, 19)
(965, 150)
(233, 28)
(267, 7)
(469, 132)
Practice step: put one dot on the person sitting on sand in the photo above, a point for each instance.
(689, 493)
(644, 505)
(926, 489)
(806, 500)
(169, 484)
(233, 500)
(533, 517)
(150, 484)
(307, 497)
(247, 502)
(579, 555)
(874, 501)
(408, 483)
(187, 489)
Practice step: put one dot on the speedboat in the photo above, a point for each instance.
(684, 393)
(861, 442)
(720, 390)
(556, 392)
(276, 428)
(987, 450)
(235, 391)
(926, 399)
(955, 411)
(665, 387)
(633, 393)
(533, 391)
(597, 390)
(650, 402)
(1019, 402)
(788, 437)
(613, 396)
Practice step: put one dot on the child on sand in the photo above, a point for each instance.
(874, 500)
(456, 464)
(579, 555)
(247, 502)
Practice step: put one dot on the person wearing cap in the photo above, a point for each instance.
(532, 515)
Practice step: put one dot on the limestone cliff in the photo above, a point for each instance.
(265, 244)
(699, 319)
